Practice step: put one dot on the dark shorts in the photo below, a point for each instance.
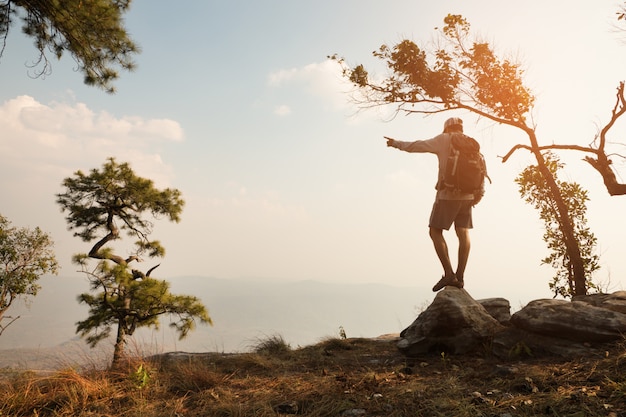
(446, 212)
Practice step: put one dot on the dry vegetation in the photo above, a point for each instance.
(336, 377)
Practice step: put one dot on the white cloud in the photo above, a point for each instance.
(153, 128)
(76, 121)
(276, 79)
(44, 143)
(282, 110)
(326, 81)
(323, 80)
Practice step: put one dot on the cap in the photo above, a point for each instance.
(453, 121)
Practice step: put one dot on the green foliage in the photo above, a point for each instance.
(359, 76)
(99, 205)
(140, 377)
(457, 73)
(533, 188)
(25, 255)
(91, 31)
(94, 201)
(413, 79)
(139, 301)
(520, 349)
(444, 359)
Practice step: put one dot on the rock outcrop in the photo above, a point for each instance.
(498, 308)
(614, 302)
(571, 320)
(456, 323)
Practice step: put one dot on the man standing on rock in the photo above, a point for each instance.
(451, 206)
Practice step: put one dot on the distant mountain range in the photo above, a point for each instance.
(243, 312)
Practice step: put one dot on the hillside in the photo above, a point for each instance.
(335, 377)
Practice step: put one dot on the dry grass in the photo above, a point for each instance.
(336, 377)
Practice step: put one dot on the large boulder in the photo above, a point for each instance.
(453, 323)
(499, 308)
(571, 320)
(614, 302)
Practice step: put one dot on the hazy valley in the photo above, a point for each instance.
(243, 311)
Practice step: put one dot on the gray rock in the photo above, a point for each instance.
(614, 302)
(571, 320)
(499, 308)
(454, 323)
(354, 412)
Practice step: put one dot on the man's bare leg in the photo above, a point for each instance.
(441, 248)
(464, 250)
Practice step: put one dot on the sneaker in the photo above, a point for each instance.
(444, 281)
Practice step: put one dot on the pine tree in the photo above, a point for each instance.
(91, 31)
(99, 207)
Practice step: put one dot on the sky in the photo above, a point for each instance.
(235, 104)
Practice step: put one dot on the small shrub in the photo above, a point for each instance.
(333, 343)
(520, 349)
(271, 345)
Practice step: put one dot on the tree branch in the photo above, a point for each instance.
(618, 110)
(3, 328)
(548, 147)
(599, 161)
(152, 269)
(602, 163)
(112, 235)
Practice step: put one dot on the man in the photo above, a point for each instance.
(450, 207)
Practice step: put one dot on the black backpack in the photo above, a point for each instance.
(465, 169)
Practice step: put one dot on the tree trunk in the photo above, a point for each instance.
(565, 221)
(122, 330)
(120, 344)
(603, 165)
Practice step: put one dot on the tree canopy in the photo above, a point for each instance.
(99, 206)
(91, 31)
(458, 74)
(25, 255)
